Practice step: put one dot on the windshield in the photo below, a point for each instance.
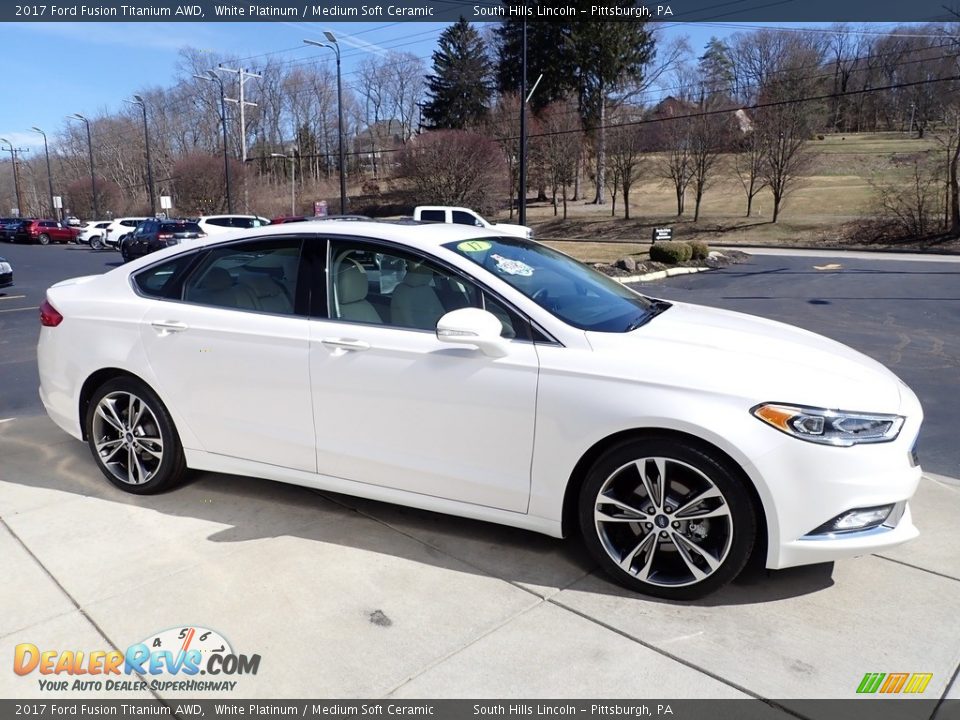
(570, 290)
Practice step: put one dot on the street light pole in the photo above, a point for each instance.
(335, 46)
(293, 178)
(138, 100)
(213, 77)
(46, 150)
(93, 181)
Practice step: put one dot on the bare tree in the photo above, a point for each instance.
(454, 167)
(749, 161)
(913, 207)
(560, 146)
(709, 136)
(676, 162)
(625, 147)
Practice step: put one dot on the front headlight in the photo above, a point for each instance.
(829, 427)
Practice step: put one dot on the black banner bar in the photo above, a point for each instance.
(872, 707)
(329, 11)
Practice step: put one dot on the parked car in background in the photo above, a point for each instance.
(155, 234)
(466, 216)
(8, 228)
(6, 273)
(288, 219)
(45, 232)
(213, 224)
(118, 229)
(92, 232)
(72, 221)
(547, 396)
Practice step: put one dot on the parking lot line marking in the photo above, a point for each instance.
(12, 297)
(6, 420)
(35, 307)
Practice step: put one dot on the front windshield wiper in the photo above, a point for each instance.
(656, 307)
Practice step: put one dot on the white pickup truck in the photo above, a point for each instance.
(466, 216)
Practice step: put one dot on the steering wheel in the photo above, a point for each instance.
(541, 294)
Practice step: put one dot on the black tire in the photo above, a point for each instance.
(96, 243)
(43, 239)
(127, 454)
(687, 557)
(123, 253)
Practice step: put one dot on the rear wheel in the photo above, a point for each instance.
(132, 437)
(96, 243)
(667, 519)
(43, 239)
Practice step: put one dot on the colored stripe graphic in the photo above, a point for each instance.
(918, 682)
(870, 683)
(894, 682)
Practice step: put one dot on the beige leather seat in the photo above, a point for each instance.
(352, 287)
(267, 293)
(217, 288)
(415, 303)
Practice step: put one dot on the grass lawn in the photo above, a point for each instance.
(836, 192)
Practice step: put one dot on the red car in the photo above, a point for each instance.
(45, 232)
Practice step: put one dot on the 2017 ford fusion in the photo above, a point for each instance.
(492, 378)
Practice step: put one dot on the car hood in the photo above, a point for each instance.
(755, 358)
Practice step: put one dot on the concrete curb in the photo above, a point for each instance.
(660, 274)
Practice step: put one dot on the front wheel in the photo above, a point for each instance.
(44, 239)
(667, 519)
(132, 437)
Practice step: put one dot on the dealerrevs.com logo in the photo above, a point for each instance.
(173, 659)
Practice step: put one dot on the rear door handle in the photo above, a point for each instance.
(346, 344)
(165, 327)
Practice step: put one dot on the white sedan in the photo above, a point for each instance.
(489, 377)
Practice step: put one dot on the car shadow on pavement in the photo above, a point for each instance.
(38, 456)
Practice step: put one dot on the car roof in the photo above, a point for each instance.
(416, 235)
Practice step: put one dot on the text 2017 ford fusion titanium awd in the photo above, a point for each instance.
(487, 377)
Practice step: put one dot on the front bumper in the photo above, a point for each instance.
(813, 484)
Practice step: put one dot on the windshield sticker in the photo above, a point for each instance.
(473, 246)
(512, 267)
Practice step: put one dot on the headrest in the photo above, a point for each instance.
(351, 284)
(417, 275)
(217, 279)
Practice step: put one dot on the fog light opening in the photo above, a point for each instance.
(856, 520)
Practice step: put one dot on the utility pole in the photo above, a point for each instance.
(46, 151)
(16, 173)
(522, 209)
(242, 76)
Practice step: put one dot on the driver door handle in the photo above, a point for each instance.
(165, 327)
(345, 344)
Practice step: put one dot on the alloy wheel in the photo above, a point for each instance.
(127, 437)
(664, 522)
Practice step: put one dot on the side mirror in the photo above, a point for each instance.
(473, 326)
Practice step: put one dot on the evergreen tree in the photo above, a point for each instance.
(549, 52)
(591, 58)
(461, 84)
(716, 69)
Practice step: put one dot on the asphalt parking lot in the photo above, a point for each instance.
(350, 598)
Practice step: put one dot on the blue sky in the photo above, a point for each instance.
(57, 69)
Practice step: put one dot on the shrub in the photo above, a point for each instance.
(454, 167)
(671, 252)
(699, 250)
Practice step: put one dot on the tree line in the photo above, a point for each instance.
(614, 103)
